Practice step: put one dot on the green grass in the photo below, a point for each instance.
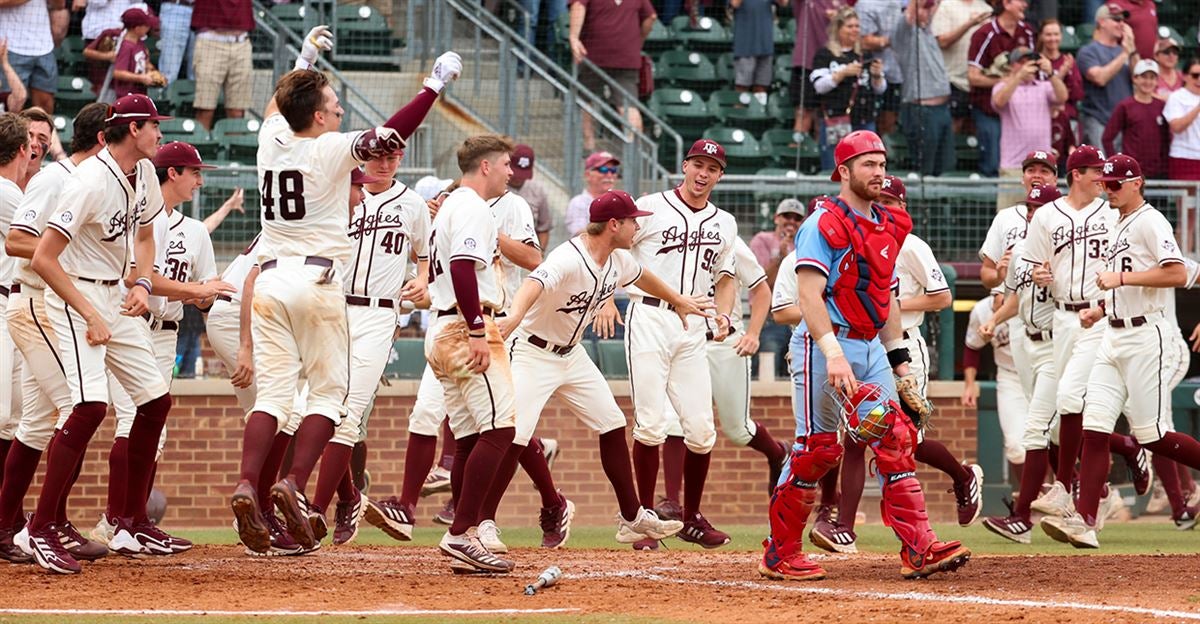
(1129, 538)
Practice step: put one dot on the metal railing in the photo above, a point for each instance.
(510, 86)
(951, 214)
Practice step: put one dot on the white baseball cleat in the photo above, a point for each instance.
(647, 524)
(489, 536)
(1071, 529)
(1055, 502)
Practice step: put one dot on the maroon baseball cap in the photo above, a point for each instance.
(1041, 157)
(134, 17)
(1042, 194)
(132, 108)
(894, 187)
(179, 154)
(614, 205)
(598, 159)
(522, 163)
(1121, 167)
(1085, 156)
(358, 176)
(709, 149)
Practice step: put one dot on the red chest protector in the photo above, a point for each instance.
(862, 291)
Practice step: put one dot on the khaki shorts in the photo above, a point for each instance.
(224, 67)
(627, 78)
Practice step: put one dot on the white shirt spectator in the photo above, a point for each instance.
(578, 213)
(27, 29)
(102, 15)
(950, 16)
(1186, 144)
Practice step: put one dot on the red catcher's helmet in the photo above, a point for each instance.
(854, 144)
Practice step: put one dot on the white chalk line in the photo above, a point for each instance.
(285, 613)
(792, 587)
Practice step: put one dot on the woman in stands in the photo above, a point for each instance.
(848, 85)
(1062, 126)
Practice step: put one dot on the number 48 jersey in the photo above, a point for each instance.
(305, 186)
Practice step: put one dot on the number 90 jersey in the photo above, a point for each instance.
(685, 248)
(305, 186)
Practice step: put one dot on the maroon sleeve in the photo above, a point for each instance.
(406, 120)
(971, 358)
(1115, 125)
(466, 292)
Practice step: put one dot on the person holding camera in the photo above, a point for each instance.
(848, 85)
(1025, 99)
(1105, 63)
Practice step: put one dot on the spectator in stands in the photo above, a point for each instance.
(1181, 111)
(770, 247)
(131, 70)
(812, 27)
(848, 91)
(222, 57)
(1062, 132)
(1004, 33)
(753, 45)
(1104, 63)
(601, 31)
(101, 15)
(879, 19)
(25, 26)
(553, 9)
(954, 21)
(1166, 54)
(177, 41)
(523, 184)
(12, 90)
(1024, 100)
(1142, 17)
(600, 174)
(1139, 121)
(925, 96)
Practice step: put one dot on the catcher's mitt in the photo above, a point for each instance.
(157, 79)
(106, 44)
(918, 408)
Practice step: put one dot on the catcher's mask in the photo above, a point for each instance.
(874, 423)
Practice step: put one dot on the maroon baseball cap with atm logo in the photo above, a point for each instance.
(614, 205)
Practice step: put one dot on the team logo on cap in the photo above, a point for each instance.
(1041, 155)
(887, 183)
(1035, 193)
(1108, 167)
(523, 162)
(710, 148)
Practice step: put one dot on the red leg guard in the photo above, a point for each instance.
(903, 504)
(793, 502)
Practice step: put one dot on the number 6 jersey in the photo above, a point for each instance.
(305, 187)
(685, 248)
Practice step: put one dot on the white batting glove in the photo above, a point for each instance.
(319, 39)
(446, 68)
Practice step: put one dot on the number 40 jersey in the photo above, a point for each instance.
(384, 230)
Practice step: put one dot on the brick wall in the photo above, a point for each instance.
(203, 453)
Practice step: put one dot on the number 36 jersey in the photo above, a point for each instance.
(305, 187)
(685, 248)
(384, 229)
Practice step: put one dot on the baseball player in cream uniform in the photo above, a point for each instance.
(1009, 225)
(44, 392)
(729, 367)
(548, 318)
(1066, 242)
(101, 222)
(385, 229)
(463, 345)
(688, 243)
(1011, 403)
(1136, 357)
(14, 133)
(299, 323)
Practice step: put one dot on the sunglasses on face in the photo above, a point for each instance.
(1195, 76)
(1115, 185)
(1171, 51)
(605, 169)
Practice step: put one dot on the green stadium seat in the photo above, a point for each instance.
(743, 154)
(724, 67)
(658, 41)
(1070, 40)
(785, 143)
(180, 95)
(410, 359)
(74, 92)
(708, 35)
(65, 129)
(612, 359)
(740, 110)
(783, 70)
(70, 56)
(1084, 32)
(785, 37)
(683, 109)
(897, 147)
(238, 228)
(296, 16)
(191, 131)
(1165, 30)
(681, 68)
(238, 139)
(966, 152)
(362, 30)
(777, 172)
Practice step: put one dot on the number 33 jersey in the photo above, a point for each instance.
(686, 248)
(1074, 242)
(305, 189)
(384, 229)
